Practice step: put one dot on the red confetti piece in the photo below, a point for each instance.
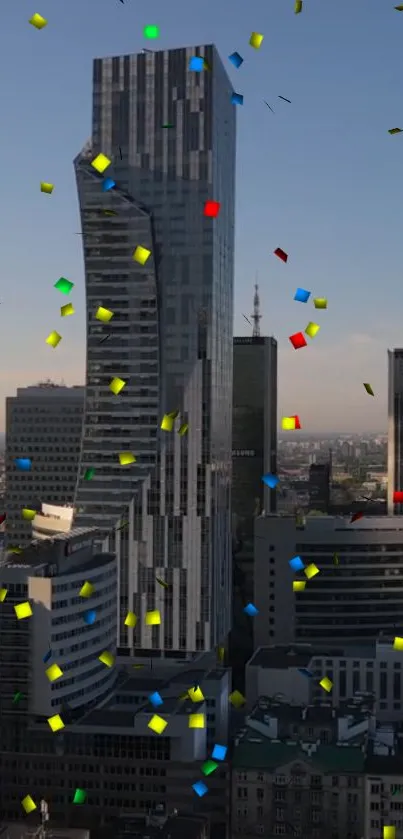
(281, 254)
(356, 516)
(298, 340)
(398, 497)
(211, 209)
(297, 422)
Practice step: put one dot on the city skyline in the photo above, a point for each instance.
(282, 198)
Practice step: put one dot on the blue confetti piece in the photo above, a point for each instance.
(196, 64)
(156, 699)
(107, 184)
(251, 610)
(90, 617)
(296, 563)
(305, 672)
(237, 99)
(47, 656)
(301, 295)
(219, 752)
(23, 464)
(200, 788)
(236, 59)
(270, 480)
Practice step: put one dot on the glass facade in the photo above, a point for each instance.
(170, 134)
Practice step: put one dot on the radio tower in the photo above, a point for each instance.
(256, 316)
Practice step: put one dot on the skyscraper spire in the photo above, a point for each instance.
(256, 316)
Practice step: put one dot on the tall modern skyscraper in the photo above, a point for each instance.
(170, 133)
(43, 425)
(395, 428)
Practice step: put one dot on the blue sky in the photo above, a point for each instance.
(321, 178)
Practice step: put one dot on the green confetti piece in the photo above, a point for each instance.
(208, 767)
(151, 32)
(64, 286)
(89, 473)
(80, 796)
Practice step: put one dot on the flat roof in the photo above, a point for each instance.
(271, 756)
(299, 655)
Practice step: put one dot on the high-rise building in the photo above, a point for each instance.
(44, 426)
(170, 133)
(352, 573)
(395, 428)
(319, 487)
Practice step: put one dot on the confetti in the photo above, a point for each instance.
(56, 723)
(209, 766)
(200, 788)
(100, 163)
(196, 63)
(326, 684)
(288, 423)
(3, 594)
(54, 673)
(256, 40)
(156, 699)
(107, 658)
(284, 99)
(311, 571)
(237, 99)
(298, 585)
(53, 339)
(167, 423)
(302, 295)
(269, 106)
(16, 698)
(28, 804)
(281, 254)
(320, 302)
(157, 724)
(237, 699)
(63, 285)
(130, 620)
(117, 385)
(66, 310)
(219, 752)
(105, 338)
(395, 130)
(399, 8)
(153, 618)
(305, 672)
(368, 388)
(298, 7)
(28, 514)
(126, 458)
(196, 721)
(103, 315)
(389, 831)
(23, 464)
(211, 209)
(47, 656)
(312, 329)
(196, 694)
(235, 59)
(184, 428)
(79, 796)
(335, 559)
(86, 590)
(270, 480)
(162, 583)
(251, 610)
(47, 188)
(151, 32)
(89, 474)
(38, 21)
(398, 644)
(398, 497)
(108, 184)
(296, 563)
(141, 255)
(23, 610)
(90, 617)
(356, 516)
(298, 341)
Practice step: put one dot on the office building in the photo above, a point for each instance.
(43, 425)
(357, 595)
(169, 340)
(51, 520)
(395, 428)
(295, 672)
(319, 487)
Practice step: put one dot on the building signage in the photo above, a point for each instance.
(73, 547)
(257, 340)
(243, 453)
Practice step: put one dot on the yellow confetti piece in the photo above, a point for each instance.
(195, 694)
(38, 21)
(161, 582)
(256, 40)
(183, 429)
(220, 654)
(107, 658)
(28, 514)
(288, 423)
(311, 571)
(396, 130)
(54, 672)
(389, 831)
(100, 163)
(66, 310)
(56, 723)
(53, 339)
(141, 255)
(86, 589)
(103, 314)
(3, 594)
(398, 644)
(197, 721)
(28, 804)
(23, 610)
(167, 423)
(237, 699)
(117, 385)
(368, 388)
(131, 620)
(157, 724)
(320, 302)
(47, 188)
(298, 7)
(298, 585)
(326, 684)
(312, 329)
(153, 618)
(125, 458)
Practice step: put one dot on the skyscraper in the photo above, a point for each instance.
(43, 425)
(395, 428)
(169, 131)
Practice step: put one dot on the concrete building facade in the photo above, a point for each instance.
(43, 424)
(169, 340)
(395, 428)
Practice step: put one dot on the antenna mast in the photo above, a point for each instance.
(256, 316)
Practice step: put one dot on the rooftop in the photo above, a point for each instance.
(300, 655)
(272, 755)
(315, 714)
(175, 827)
